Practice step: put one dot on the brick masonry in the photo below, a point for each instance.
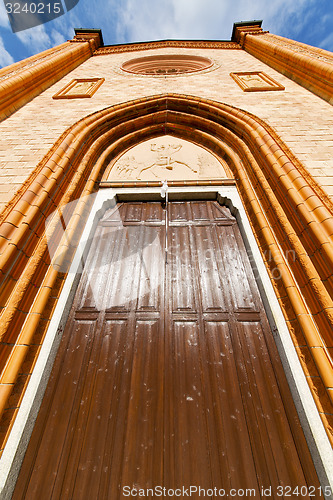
(303, 120)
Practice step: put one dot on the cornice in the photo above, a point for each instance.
(133, 47)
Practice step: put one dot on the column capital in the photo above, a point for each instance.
(88, 35)
(240, 30)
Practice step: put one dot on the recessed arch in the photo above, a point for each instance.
(289, 214)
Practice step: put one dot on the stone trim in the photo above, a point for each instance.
(115, 49)
(241, 30)
(93, 36)
(16, 68)
(144, 184)
(22, 81)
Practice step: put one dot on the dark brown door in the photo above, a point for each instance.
(167, 374)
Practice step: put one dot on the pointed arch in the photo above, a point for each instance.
(290, 215)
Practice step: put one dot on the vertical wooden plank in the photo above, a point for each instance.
(186, 432)
(153, 212)
(199, 211)
(107, 391)
(228, 423)
(132, 212)
(57, 419)
(151, 255)
(178, 212)
(272, 422)
(124, 270)
(143, 445)
(97, 268)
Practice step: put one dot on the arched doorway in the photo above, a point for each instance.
(276, 193)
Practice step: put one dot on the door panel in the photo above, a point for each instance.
(180, 258)
(167, 373)
(210, 274)
(234, 270)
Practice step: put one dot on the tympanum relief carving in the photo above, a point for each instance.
(166, 158)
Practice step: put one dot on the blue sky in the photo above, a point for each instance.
(121, 21)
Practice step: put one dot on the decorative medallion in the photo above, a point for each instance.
(254, 81)
(166, 158)
(80, 87)
(167, 64)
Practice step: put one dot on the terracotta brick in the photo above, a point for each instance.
(322, 399)
(10, 373)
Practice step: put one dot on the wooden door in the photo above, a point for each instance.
(167, 374)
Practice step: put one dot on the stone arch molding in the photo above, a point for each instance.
(290, 217)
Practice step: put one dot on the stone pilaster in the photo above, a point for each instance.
(308, 66)
(22, 81)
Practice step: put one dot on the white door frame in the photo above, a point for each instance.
(317, 439)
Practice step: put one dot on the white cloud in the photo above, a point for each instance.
(36, 39)
(65, 24)
(140, 20)
(4, 22)
(327, 43)
(57, 37)
(5, 57)
(203, 19)
(147, 20)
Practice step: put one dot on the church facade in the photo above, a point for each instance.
(166, 268)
